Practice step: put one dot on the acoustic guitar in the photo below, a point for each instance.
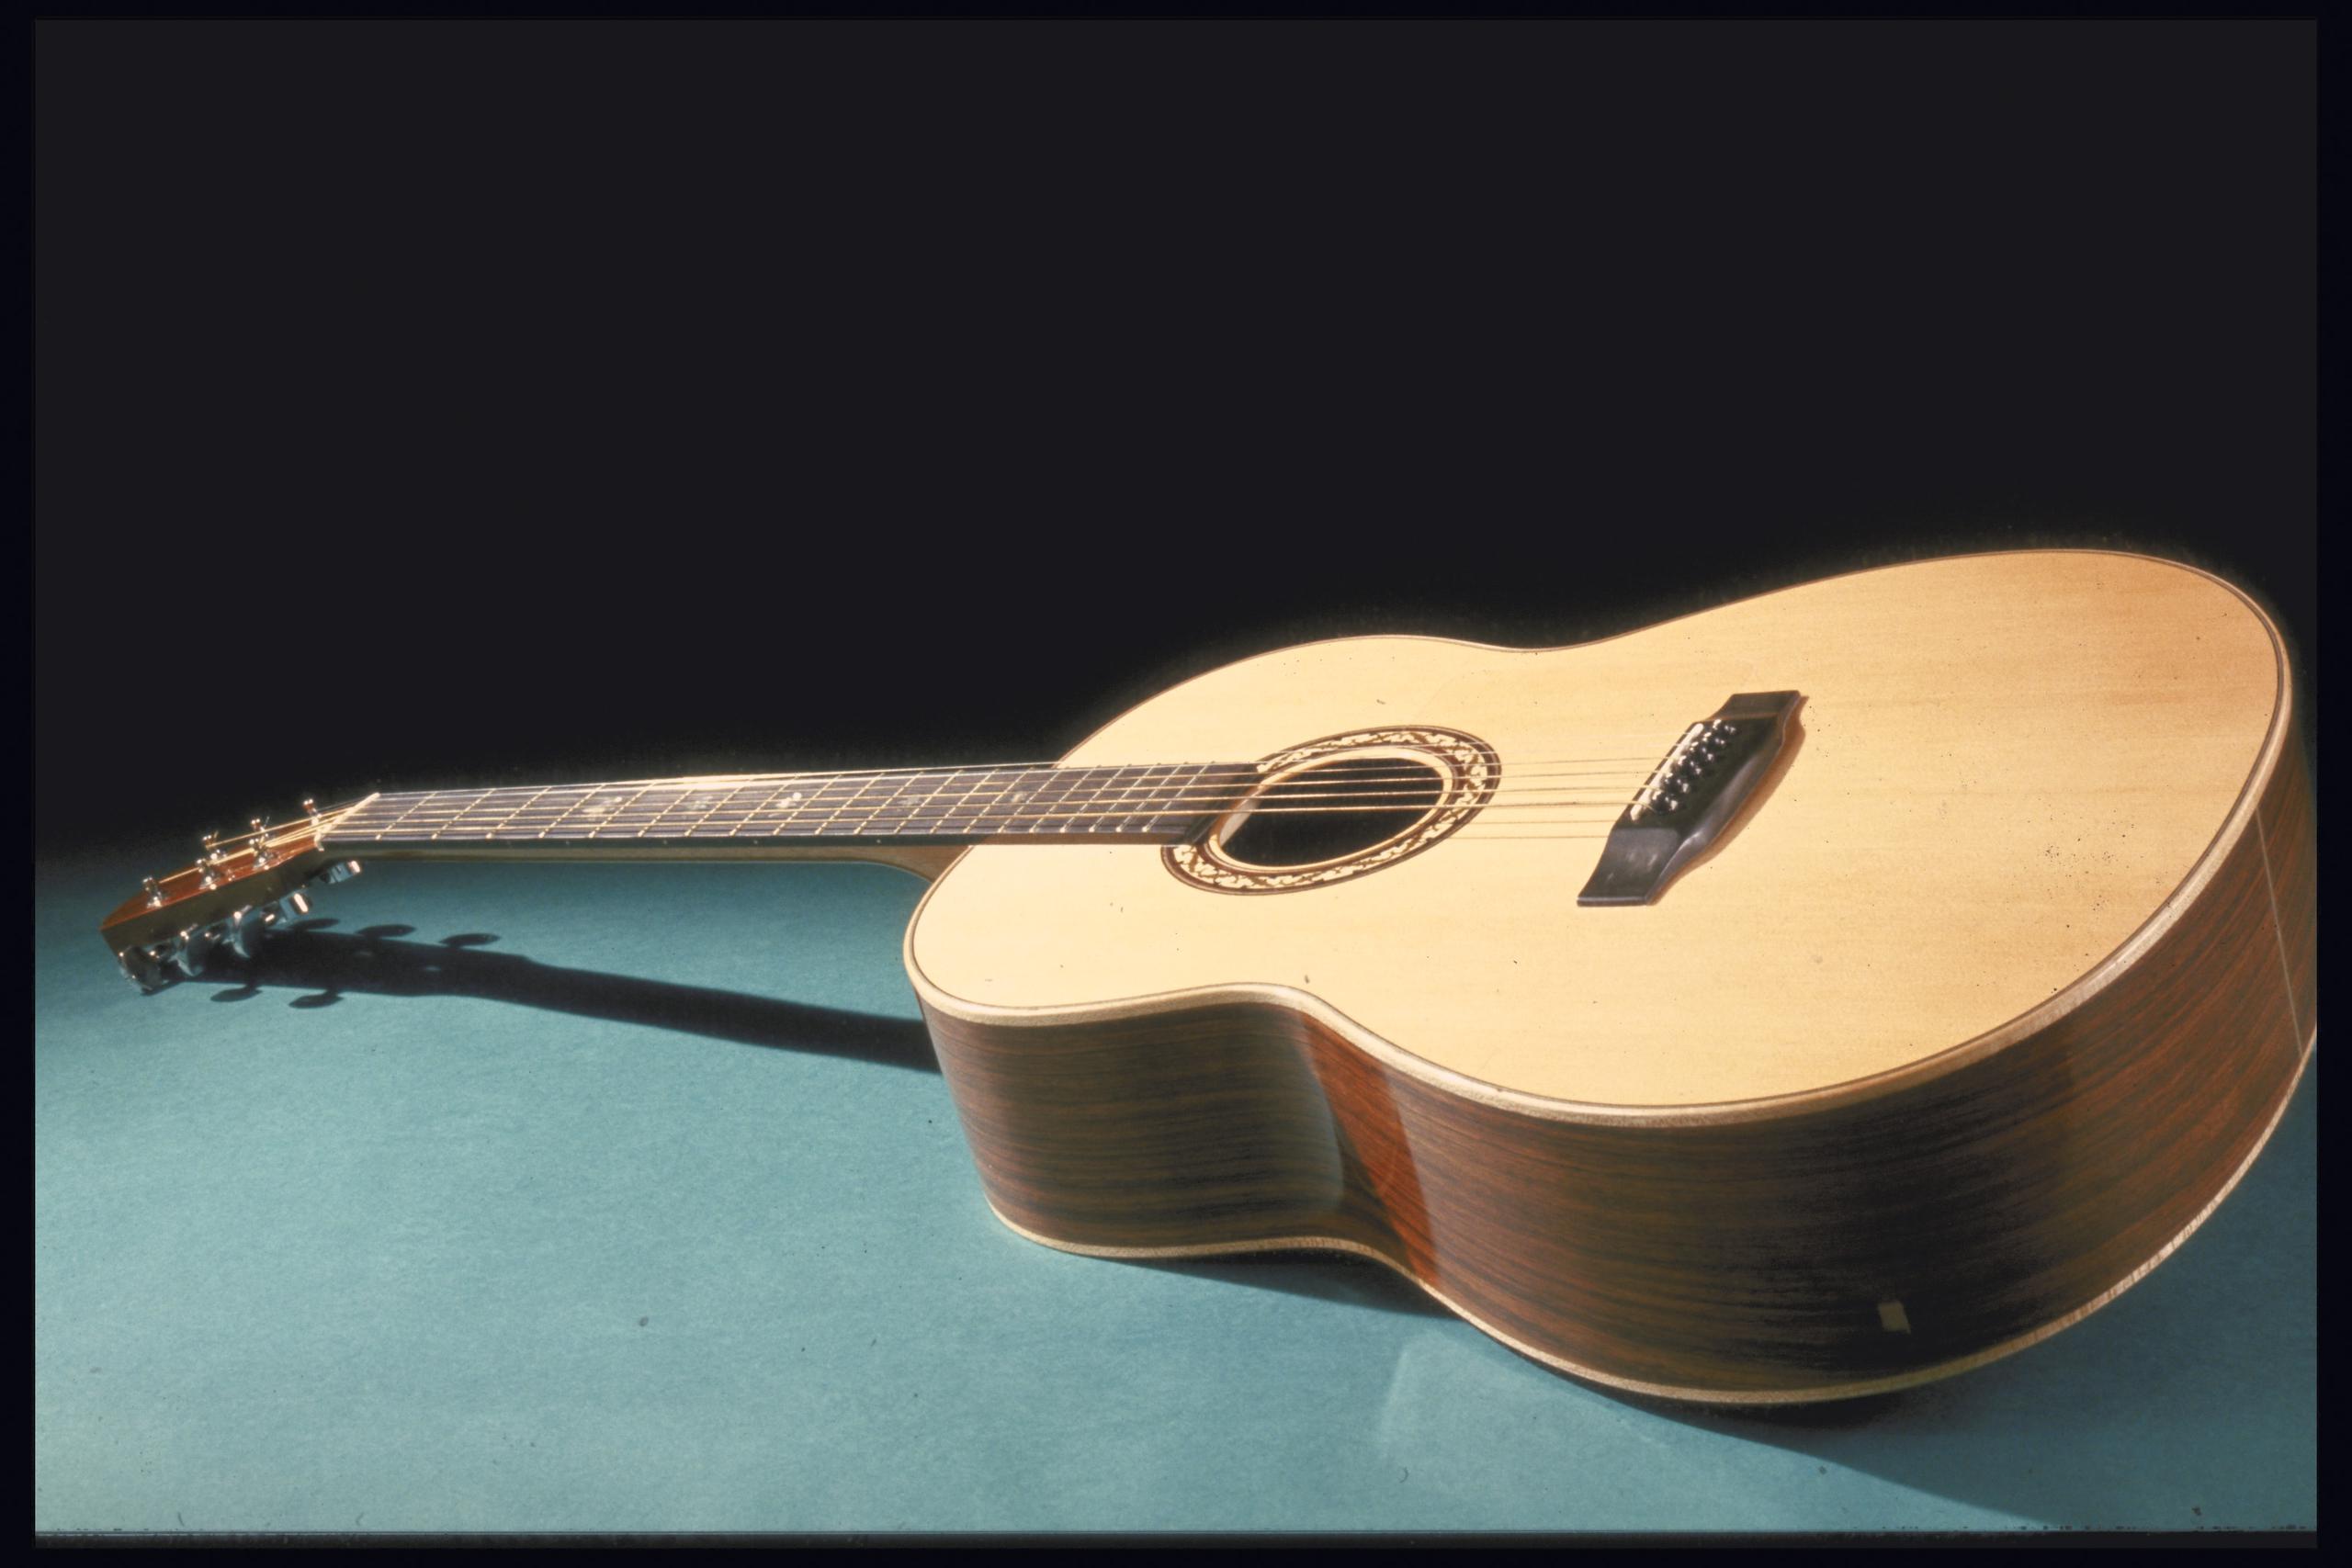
(1815, 996)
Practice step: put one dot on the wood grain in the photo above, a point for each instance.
(2060, 899)
(1738, 1261)
(2007, 765)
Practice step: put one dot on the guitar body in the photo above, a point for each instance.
(1997, 983)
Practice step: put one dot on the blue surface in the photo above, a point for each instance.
(650, 1211)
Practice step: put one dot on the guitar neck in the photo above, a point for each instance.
(766, 814)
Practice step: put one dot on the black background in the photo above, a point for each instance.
(490, 403)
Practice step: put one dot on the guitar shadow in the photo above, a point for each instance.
(1311, 1273)
(327, 966)
(375, 961)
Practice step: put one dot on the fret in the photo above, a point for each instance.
(851, 804)
(967, 815)
(1123, 804)
(507, 824)
(691, 806)
(906, 803)
(1176, 800)
(633, 818)
(1081, 818)
(721, 820)
(977, 805)
(924, 820)
(729, 819)
(568, 799)
(450, 812)
(588, 819)
(454, 824)
(892, 813)
(414, 801)
(801, 811)
(962, 801)
(1041, 811)
(1000, 813)
(804, 812)
(487, 815)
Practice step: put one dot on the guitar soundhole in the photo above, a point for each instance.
(1342, 807)
(1331, 811)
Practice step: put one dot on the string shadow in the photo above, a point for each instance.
(327, 966)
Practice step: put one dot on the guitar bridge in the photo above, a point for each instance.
(1691, 796)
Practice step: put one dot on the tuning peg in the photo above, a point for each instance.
(140, 968)
(301, 901)
(154, 892)
(310, 809)
(248, 926)
(338, 871)
(261, 842)
(191, 948)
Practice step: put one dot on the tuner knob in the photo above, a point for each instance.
(340, 871)
(140, 968)
(192, 947)
(301, 901)
(248, 926)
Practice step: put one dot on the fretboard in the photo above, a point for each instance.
(1167, 804)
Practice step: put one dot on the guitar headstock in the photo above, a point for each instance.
(233, 895)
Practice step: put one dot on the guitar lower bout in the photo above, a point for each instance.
(1877, 1090)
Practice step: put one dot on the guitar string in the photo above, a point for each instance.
(1054, 764)
(1105, 802)
(895, 826)
(1190, 800)
(1027, 827)
(1306, 777)
(1154, 803)
(1186, 801)
(687, 783)
(1136, 796)
(1468, 830)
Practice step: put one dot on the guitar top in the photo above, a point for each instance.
(2002, 770)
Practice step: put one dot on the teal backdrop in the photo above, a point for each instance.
(630, 1198)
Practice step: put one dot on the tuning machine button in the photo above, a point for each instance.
(192, 948)
(143, 966)
(248, 926)
(337, 871)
